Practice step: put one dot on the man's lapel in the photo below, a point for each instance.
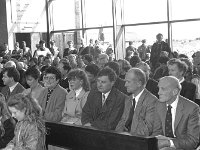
(179, 113)
(162, 111)
(14, 90)
(138, 108)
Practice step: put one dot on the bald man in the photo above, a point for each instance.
(179, 117)
(139, 117)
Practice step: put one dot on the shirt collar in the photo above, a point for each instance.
(175, 103)
(106, 94)
(13, 87)
(182, 80)
(78, 91)
(138, 96)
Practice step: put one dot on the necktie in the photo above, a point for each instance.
(7, 95)
(48, 96)
(103, 99)
(130, 117)
(168, 123)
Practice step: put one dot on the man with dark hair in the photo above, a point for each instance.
(64, 67)
(92, 70)
(52, 100)
(11, 79)
(139, 117)
(178, 68)
(104, 107)
(119, 83)
(87, 59)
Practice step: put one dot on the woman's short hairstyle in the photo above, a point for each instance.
(81, 75)
(110, 73)
(33, 72)
(55, 71)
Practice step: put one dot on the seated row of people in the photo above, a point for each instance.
(105, 107)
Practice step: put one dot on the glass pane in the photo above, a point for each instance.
(94, 34)
(148, 32)
(186, 42)
(63, 14)
(98, 13)
(185, 9)
(138, 11)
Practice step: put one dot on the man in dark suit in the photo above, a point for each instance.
(179, 116)
(151, 85)
(104, 107)
(11, 78)
(178, 68)
(139, 117)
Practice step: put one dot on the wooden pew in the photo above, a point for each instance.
(84, 138)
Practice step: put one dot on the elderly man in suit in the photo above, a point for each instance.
(178, 68)
(104, 106)
(139, 117)
(179, 117)
(11, 78)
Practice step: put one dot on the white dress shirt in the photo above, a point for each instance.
(137, 98)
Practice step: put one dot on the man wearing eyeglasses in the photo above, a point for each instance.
(52, 100)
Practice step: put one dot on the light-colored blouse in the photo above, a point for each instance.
(74, 104)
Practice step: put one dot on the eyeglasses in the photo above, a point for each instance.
(51, 78)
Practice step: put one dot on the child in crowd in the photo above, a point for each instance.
(30, 129)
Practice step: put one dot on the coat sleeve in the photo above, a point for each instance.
(191, 138)
(147, 125)
(56, 114)
(87, 116)
(9, 133)
(121, 125)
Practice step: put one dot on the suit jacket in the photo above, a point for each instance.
(55, 105)
(186, 124)
(145, 121)
(6, 91)
(188, 90)
(73, 107)
(152, 86)
(104, 117)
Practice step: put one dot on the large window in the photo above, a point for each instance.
(185, 9)
(98, 13)
(95, 34)
(148, 32)
(140, 11)
(186, 37)
(63, 14)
